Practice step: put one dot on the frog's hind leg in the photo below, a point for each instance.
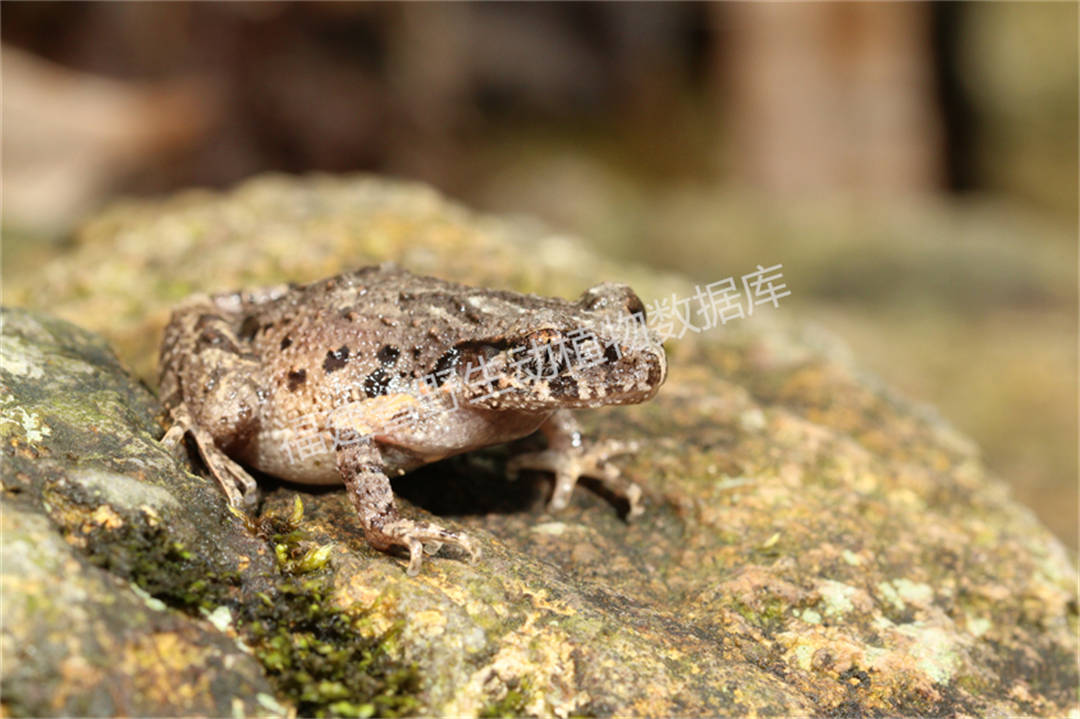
(240, 487)
(369, 489)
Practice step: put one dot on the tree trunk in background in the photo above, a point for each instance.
(829, 97)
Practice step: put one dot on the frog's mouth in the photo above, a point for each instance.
(552, 369)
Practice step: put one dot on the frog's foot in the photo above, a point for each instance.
(369, 489)
(568, 463)
(240, 487)
(420, 538)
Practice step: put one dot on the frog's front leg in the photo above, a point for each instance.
(569, 457)
(362, 470)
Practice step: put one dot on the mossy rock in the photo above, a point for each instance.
(812, 543)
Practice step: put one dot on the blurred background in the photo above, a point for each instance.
(913, 166)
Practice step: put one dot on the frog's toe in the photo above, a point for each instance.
(422, 538)
(174, 437)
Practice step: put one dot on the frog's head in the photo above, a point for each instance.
(592, 352)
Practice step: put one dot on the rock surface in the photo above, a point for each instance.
(812, 544)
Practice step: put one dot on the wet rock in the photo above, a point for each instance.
(87, 489)
(812, 544)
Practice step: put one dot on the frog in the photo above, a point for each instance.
(369, 374)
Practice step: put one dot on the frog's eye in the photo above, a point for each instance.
(634, 305)
(612, 296)
(594, 298)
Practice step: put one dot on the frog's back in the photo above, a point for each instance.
(349, 337)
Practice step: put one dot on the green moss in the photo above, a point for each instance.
(316, 655)
(165, 569)
(293, 549)
(510, 705)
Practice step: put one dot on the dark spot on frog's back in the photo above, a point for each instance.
(377, 383)
(336, 359)
(388, 355)
(445, 365)
(296, 378)
(285, 343)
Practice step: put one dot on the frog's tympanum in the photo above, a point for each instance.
(379, 371)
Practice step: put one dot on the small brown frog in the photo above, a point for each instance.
(379, 371)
